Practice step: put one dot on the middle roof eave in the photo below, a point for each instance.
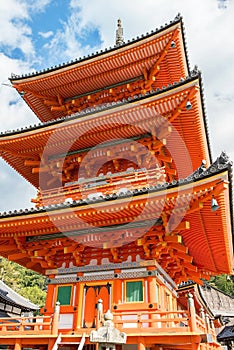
(85, 130)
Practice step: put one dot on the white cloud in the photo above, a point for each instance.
(14, 112)
(37, 5)
(67, 43)
(15, 192)
(14, 33)
(15, 23)
(46, 35)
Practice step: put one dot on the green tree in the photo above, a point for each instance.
(10, 273)
(223, 282)
(35, 294)
(27, 283)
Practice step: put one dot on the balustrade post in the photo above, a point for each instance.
(207, 321)
(99, 313)
(192, 313)
(202, 313)
(56, 318)
(212, 326)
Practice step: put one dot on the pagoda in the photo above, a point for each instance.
(129, 205)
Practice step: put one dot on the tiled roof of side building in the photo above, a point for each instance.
(13, 298)
(220, 303)
(226, 334)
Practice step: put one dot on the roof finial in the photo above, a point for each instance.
(119, 34)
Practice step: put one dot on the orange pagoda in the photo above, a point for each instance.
(129, 203)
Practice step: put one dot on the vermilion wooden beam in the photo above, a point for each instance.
(154, 70)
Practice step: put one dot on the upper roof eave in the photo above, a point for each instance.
(178, 20)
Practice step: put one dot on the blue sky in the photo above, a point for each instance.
(45, 30)
(37, 34)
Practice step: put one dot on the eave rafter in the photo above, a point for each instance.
(121, 211)
(165, 245)
(189, 95)
(25, 157)
(150, 75)
(117, 91)
(78, 103)
(154, 115)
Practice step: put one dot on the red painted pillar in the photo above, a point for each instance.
(49, 296)
(141, 344)
(152, 295)
(17, 344)
(78, 302)
(117, 289)
(117, 297)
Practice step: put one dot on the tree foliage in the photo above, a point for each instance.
(27, 283)
(225, 283)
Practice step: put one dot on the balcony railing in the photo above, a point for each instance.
(161, 321)
(105, 184)
(27, 325)
(127, 321)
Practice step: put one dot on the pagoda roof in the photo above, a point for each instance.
(84, 130)
(33, 237)
(10, 297)
(143, 58)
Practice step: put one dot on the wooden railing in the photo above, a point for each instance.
(106, 184)
(160, 321)
(128, 321)
(152, 319)
(201, 324)
(27, 325)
